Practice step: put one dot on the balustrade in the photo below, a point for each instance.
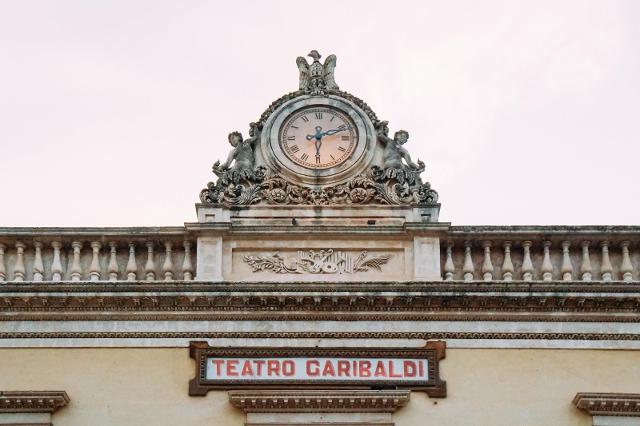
(51, 258)
(471, 256)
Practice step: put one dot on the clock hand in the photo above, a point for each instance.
(334, 131)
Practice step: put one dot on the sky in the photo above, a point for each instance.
(112, 112)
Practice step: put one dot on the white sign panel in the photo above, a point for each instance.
(317, 369)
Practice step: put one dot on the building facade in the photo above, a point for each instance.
(318, 287)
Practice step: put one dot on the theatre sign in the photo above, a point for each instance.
(317, 368)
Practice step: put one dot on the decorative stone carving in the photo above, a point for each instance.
(317, 78)
(32, 401)
(377, 186)
(609, 404)
(328, 261)
(245, 180)
(313, 401)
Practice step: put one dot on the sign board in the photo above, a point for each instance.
(317, 368)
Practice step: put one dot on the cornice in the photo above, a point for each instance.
(32, 401)
(336, 401)
(609, 404)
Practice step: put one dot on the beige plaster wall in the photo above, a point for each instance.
(486, 386)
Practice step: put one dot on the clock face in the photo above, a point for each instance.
(318, 137)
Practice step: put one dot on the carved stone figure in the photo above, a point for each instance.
(317, 77)
(242, 155)
(394, 152)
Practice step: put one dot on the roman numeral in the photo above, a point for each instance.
(319, 115)
(294, 127)
(332, 117)
(345, 137)
(317, 159)
(304, 118)
(294, 148)
(304, 157)
(332, 157)
(291, 138)
(340, 148)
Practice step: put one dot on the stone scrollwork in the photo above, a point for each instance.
(326, 261)
(379, 185)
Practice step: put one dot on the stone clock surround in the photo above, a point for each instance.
(271, 154)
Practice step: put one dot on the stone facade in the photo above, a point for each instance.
(351, 256)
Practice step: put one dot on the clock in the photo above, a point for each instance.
(317, 140)
(318, 137)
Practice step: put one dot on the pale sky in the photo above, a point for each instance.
(525, 112)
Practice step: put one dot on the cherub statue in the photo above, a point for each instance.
(394, 152)
(242, 153)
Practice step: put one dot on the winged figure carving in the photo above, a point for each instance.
(317, 77)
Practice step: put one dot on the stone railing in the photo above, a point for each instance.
(541, 253)
(96, 254)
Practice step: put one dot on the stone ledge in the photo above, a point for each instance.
(314, 401)
(608, 404)
(32, 401)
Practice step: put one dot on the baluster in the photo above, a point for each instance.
(56, 265)
(527, 265)
(76, 268)
(187, 268)
(507, 264)
(487, 266)
(113, 262)
(547, 267)
(132, 268)
(449, 269)
(38, 265)
(3, 270)
(167, 267)
(626, 268)
(585, 266)
(94, 269)
(18, 269)
(606, 270)
(149, 267)
(566, 269)
(467, 267)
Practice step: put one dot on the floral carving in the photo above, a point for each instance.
(378, 186)
(327, 261)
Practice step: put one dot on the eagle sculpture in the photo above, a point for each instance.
(317, 77)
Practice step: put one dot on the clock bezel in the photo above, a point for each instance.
(274, 157)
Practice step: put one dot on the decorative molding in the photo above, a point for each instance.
(608, 404)
(326, 261)
(314, 401)
(320, 316)
(32, 401)
(446, 335)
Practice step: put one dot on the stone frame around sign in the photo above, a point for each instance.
(432, 351)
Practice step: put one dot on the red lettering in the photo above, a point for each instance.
(316, 370)
(365, 369)
(259, 364)
(218, 363)
(343, 368)
(380, 371)
(231, 367)
(273, 366)
(391, 370)
(247, 369)
(421, 368)
(328, 369)
(410, 369)
(288, 368)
